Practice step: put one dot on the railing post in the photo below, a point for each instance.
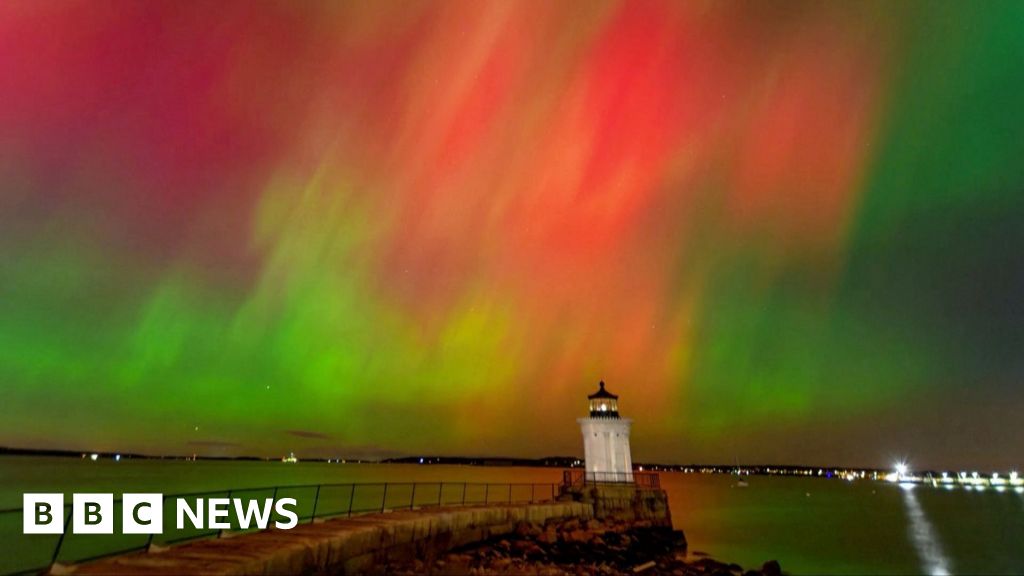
(316, 500)
(351, 498)
(412, 499)
(221, 531)
(463, 493)
(487, 493)
(384, 500)
(533, 493)
(273, 500)
(60, 541)
(509, 492)
(149, 541)
(440, 492)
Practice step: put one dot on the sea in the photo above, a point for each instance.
(809, 525)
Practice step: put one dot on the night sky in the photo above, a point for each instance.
(782, 232)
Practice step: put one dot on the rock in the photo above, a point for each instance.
(590, 547)
(522, 545)
(644, 567)
(522, 530)
(577, 535)
(534, 552)
(549, 536)
(771, 568)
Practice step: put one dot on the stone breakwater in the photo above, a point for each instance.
(630, 534)
(357, 545)
(581, 547)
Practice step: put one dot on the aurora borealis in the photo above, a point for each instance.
(782, 232)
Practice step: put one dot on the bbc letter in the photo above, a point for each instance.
(279, 506)
(42, 513)
(195, 516)
(142, 514)
(217, 509)
(92, 514)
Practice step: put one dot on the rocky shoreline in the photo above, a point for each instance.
(577, 547)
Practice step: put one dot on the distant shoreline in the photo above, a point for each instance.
(494, 461)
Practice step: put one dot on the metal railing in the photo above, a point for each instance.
(580, 477)
(33, 553)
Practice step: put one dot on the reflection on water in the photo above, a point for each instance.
(929, 549)
(811, 526)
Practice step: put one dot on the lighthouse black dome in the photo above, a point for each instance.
(603, 404)
(602, 393)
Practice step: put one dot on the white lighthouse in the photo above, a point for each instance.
(606, 440)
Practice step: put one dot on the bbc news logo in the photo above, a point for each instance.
(144, 513)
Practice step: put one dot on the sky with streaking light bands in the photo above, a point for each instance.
(782, 231)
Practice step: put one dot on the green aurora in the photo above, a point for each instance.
(782, 235)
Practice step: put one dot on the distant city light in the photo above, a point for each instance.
(901, 468)
(94, 457)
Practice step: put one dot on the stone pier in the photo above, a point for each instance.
(354, 545)
(622, 502)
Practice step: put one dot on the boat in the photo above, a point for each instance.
(741, 482)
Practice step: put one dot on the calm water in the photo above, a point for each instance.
(811, 526)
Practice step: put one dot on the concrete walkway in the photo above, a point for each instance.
(342, 546)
